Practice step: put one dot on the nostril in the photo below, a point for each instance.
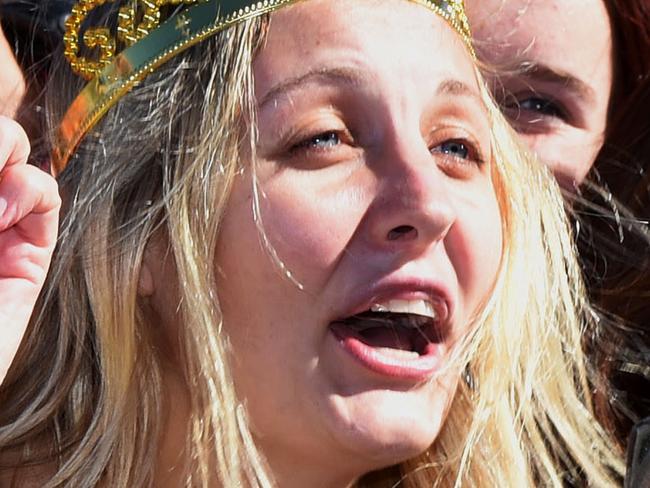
(403, 232)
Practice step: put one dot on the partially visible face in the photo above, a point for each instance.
(375, 187)
(12, 82)
(560, 105)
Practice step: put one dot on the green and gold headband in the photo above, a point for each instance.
(147, 44)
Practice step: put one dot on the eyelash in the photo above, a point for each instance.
(556, 109)
(309, 143)
(545, 106)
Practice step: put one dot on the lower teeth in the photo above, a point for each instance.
(397, 353)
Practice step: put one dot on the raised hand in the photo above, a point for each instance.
(29, 213)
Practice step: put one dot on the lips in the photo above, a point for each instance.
(401, 336)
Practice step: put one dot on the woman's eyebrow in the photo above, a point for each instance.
(546, 73)
(453, 88)
(354, 77)
(333, 75)
(457, 88)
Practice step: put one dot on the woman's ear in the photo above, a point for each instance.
(155, 267)
(146, 286)
(145, 281)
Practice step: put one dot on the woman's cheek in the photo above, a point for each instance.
(475, 248)
(310, 229)
(568, 153)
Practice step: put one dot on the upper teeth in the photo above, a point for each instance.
(419, 307)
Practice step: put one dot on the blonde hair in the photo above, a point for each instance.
(527, 417)
(84, 396)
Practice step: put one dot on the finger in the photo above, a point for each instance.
(31, 201)
(14, 143)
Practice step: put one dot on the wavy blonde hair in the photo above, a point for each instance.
(84, 397)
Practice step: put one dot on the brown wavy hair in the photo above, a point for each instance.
(615, 241)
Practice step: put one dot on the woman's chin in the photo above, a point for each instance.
(385, 427)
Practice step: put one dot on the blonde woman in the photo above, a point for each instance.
(303, 251)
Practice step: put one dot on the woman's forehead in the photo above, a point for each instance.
(369, 35)
(541, 31)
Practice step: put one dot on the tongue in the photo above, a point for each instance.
(386, 337)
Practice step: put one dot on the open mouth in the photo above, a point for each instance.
(394, 330)
(398, 338)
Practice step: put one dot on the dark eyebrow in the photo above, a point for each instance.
(543, 72)
(338, 75)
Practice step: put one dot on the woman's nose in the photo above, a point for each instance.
(413, 205)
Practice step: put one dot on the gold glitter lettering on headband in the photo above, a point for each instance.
(147, 44)
(129, 31)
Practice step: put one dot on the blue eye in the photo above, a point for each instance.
(457, 149)
(324, 140)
